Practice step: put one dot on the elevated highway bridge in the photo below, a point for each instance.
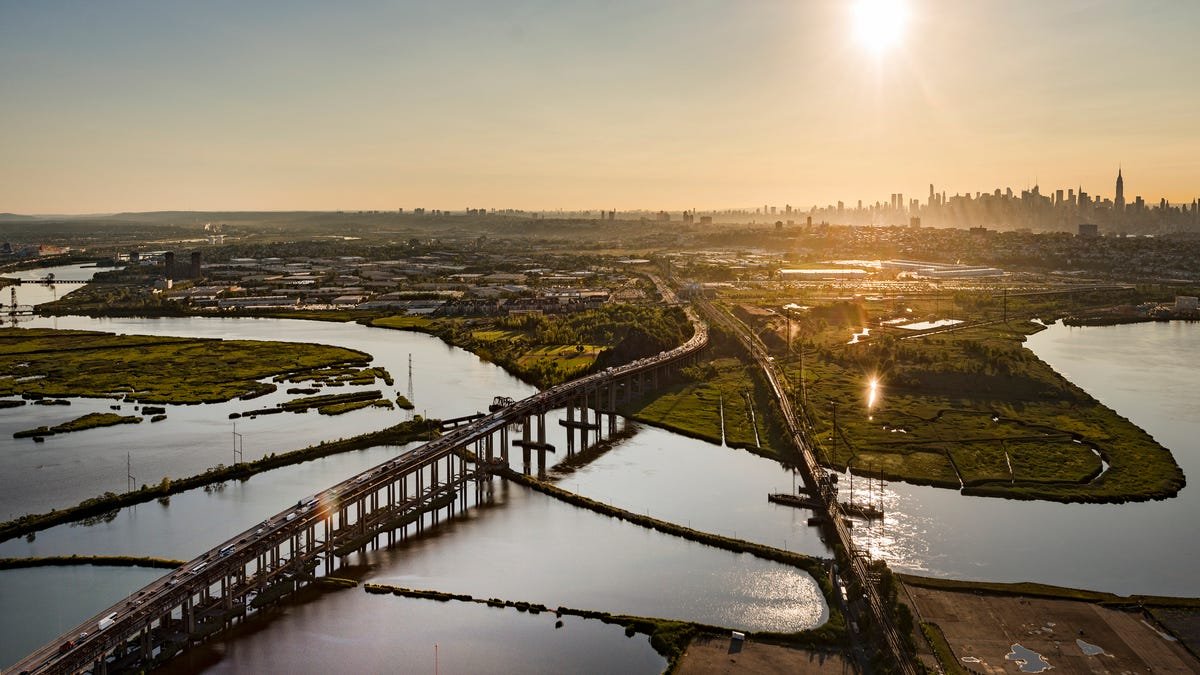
(256, 567)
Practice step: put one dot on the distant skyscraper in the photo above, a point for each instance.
(1119, 201)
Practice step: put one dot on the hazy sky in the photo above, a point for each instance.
(112, 105)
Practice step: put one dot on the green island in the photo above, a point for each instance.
(967, 408)
(57, 363)
(333, 404)
(88, 421)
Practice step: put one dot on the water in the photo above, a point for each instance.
(699, 485)
(350, 631)
(1028, 660)
(536, 549)
(1089, 649)
(1146, 373)
(197, 519)
(540, 550)
(39, 603)
(447, 382)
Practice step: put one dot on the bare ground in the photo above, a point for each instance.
(718, 655)
(982, 629)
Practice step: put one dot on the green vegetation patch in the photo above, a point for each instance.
(727, 384)
(339, 408)
(551, 349)
(88, 421)
(53, 363)
(330, 400)
(420, 324)
(941, 649)
(970, 407)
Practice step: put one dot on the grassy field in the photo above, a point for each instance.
(417, 323)
(970, 409)
(52, 363)
(694, 406)
(551, 349)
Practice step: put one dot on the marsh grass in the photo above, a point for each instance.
(53, 363)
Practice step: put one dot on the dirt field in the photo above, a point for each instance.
(983, 628)
(713, 656)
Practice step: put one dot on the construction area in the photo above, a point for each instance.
(997, 633)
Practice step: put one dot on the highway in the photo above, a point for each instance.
(85, 644)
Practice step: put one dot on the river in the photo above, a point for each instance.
(536, 548)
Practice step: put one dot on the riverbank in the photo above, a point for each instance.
(99, 507)
(669, 638)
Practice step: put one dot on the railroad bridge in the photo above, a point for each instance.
(312, 539)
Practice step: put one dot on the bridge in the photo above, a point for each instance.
(269, 561)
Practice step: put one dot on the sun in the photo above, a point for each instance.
(879, 24)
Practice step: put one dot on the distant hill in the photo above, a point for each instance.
(12, 217)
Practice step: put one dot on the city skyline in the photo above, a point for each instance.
(708, 105)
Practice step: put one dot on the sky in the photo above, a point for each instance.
(109, 106)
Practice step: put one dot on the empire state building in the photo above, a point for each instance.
(1119, 201)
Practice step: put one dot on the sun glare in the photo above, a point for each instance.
(879, 24)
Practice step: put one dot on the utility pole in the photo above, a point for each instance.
(129, 479)
(237, 446)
